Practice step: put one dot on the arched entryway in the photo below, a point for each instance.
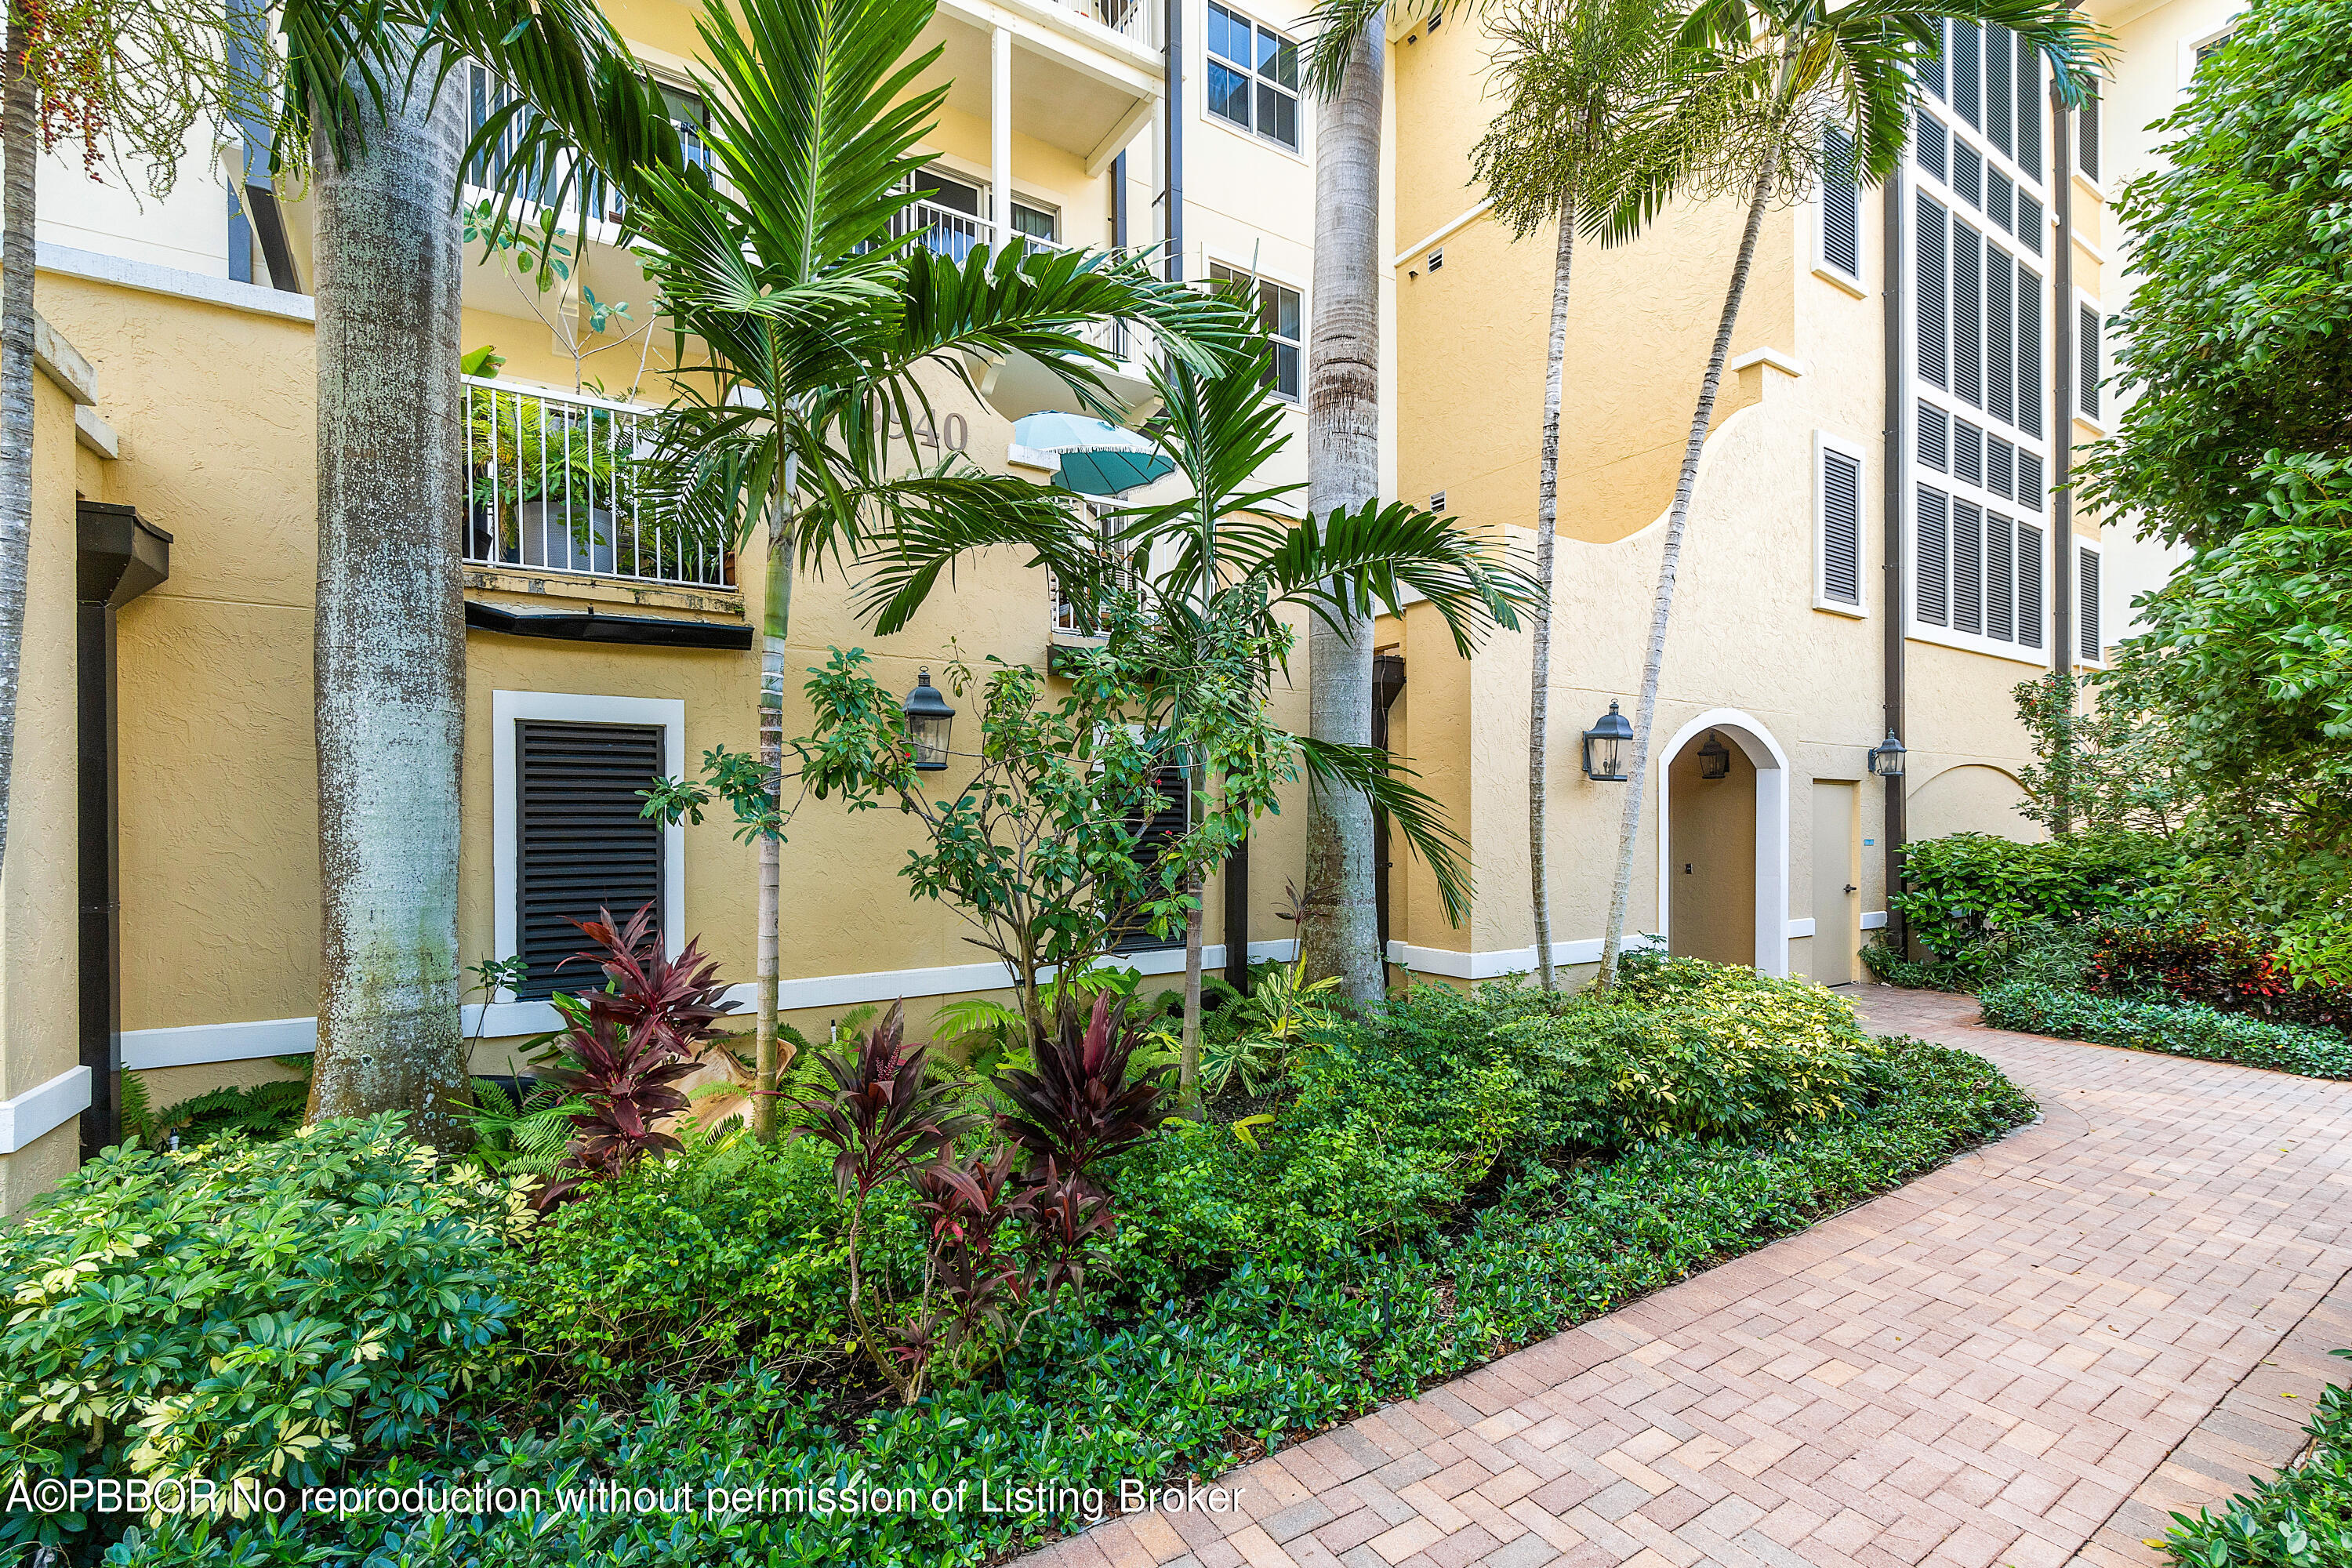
(1723, 843)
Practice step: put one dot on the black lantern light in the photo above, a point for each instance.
(1714, 758)
(1603, 746)
(928, 719)
(1887, 758)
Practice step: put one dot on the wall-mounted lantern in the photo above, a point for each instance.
(1714, 758)
(1887, 758)
(929, 720)
(1604, 746)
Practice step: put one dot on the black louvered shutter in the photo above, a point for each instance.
(580, 842)
(2086, 353)
(1935, 443)
(1841, 205)
(2029, 479)
(2086, 131)
(1841, 528)
(1968, 568)
(1929, 67)
(1928, 264)
(2029, 585)
(1999, 98)
(2029, 112)
(2029, 349)
(2000, 579)
(1968, 453)
(1968, 314)
(1928, 597)
(2086, 580)
(1929, 139)
(1968, 73)
(1166, 825)
(2001, 347)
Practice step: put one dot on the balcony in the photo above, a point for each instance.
(549, 490)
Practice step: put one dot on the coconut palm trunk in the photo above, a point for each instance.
(1340, 930)
(390, 640)
(19, 145)
(1628, 825)
(1547, 550)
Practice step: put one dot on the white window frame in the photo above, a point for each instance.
(507, 710)
(1823, 267)
(2101, 82)
(1211, 258)
(2098, 422)
(1823, 444)
(2191, 47)
(2074, 580)
(1250, 132)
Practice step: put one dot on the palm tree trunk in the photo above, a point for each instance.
(1628, 825)
(19, 112)
(390, 642)
(1547, 547)
(1343, 470)
(777, 620)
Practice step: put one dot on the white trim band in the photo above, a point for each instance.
(43, 1109)
(1873, 919)
(148, 278)
(1497, 963)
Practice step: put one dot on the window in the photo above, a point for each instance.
(2086, 354)
(1036, 223)
(691, 119)
(1161, 828)
(1278, 317)
(2086, 589)
(2086, 132)
(1838, 486)
(581, 844)
(1841, 205)
(1253, 77)
(567, 836)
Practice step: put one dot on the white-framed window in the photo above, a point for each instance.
(2090, 627)
(1252, 81)
(1281, 316)
(2087, 150)
(1837, 525)
(1839, 253)
(2195, 51)
(566, 834)
(2089, 391)
(1037, 222)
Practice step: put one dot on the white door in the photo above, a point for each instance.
(1837, 876)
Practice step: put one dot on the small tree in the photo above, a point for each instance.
(2104, 767)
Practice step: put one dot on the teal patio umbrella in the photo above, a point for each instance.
(1098, 458)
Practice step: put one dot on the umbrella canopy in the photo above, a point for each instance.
(1098, 458)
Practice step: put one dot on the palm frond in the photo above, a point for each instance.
(1417, 815)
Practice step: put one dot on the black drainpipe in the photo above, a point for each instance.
(1894, 831)
(2061, 403)
(118, 558)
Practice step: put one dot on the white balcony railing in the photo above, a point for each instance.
(1129, 18)
(551, 488)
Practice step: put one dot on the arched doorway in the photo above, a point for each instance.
(1723, 843)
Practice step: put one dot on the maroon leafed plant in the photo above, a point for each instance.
(1077, 1106)
(629, 1046)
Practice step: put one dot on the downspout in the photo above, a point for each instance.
(1893, 830)
(2061, 403)
(1118, 202)
(118, 557)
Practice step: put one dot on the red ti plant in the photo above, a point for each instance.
(629, 1045)
(1078, 1106)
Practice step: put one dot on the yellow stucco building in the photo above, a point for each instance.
(175, 525)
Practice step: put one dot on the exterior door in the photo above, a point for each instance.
(1837, 877)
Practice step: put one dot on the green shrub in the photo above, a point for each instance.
(2300, 1518)
(1969, 887)
(686, 1264)
(2180, 1029)
(2187, 958)
(248, 1310)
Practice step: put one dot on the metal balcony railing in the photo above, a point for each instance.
(551, 488)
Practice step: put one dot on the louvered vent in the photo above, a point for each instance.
(1968, 568)
(1929, 140)
(2086, 582)
(2028, 481)
(2000, 579)
(1968, 174)
(581, 845)
(2029, 585)
(1841, 528)
(1927, 600)
(2030, 223)
(1934, 437)
(1968, 314)
(1968, 73)
(2001, 349)
(2029, 112)
(2086, 353)
(1930, 68)
(2001, 468)
(1932, 292)
(1968, 453)
(1841, 205)
(2028, 352)
(2086, 133)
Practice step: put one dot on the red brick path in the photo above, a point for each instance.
(2025, 1358)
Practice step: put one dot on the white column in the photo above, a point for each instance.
(999, 131)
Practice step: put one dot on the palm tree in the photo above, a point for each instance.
(817, 327)
(1581, 82)
(1218, 568)
(369, 90)
(1812, 65)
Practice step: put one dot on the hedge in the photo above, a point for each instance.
(2178, 1029)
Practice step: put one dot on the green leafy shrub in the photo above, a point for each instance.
(2039, 953)
(2300, 1518)
(1967, 887)
(255, 1310)
(2174, 1028)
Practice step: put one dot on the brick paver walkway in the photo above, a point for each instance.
(2024, 1358)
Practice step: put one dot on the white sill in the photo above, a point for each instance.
(1962, 642)
(1849, 612)
(1265, 144)
(1828, 274)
